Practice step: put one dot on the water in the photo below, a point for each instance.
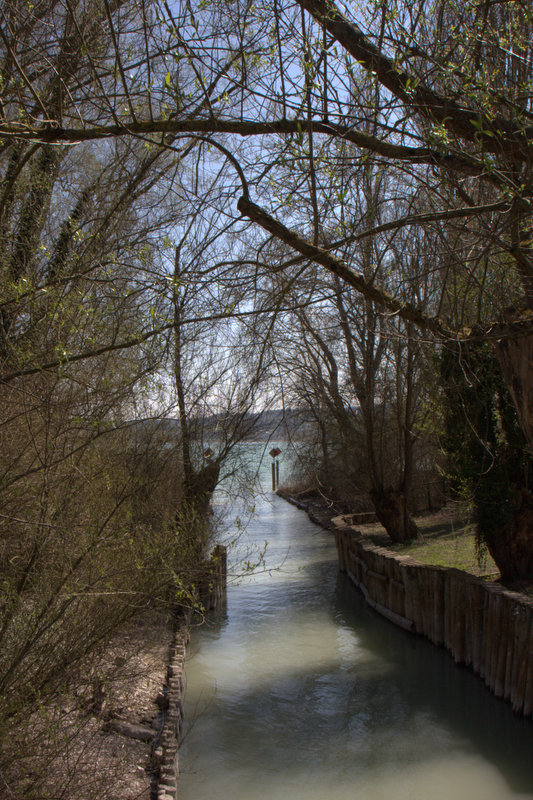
(301, 691)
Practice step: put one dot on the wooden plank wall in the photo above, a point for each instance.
(483, 625)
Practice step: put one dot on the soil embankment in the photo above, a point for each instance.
(117, 732)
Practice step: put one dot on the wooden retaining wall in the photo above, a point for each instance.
(165, 755)
(483, 625)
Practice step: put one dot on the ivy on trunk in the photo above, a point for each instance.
(489, 459)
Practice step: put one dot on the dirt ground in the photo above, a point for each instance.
(140, 654)
(70, 752)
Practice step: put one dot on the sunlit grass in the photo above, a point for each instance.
(448, 539)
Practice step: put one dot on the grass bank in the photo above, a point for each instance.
(447, 539)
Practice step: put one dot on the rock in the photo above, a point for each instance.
(157, 759)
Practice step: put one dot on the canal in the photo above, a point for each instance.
(299, 691)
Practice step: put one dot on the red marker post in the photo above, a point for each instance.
(275, 452)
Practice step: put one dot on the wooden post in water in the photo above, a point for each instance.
(275, 452)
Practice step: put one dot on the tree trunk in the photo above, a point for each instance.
(516, 360)
(512, 548)
(393, 513)
(201, 485)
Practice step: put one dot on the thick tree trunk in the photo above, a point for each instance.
(393, 513)
(201, 485)
(516, 360)
(192, 517)
(512, 548)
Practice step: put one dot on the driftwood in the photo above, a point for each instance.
(133, 730)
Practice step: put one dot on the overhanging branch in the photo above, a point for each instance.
(495, 331)
(437, 216)
(50, 134)
(494, 134)
(354, 279)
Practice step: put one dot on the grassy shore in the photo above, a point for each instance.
(447, 539)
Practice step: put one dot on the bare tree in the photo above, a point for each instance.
(452, 114)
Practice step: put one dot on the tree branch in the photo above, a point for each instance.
(423, 219)
(517, 328)
(367, 288)
(468, 165)
(492, 134)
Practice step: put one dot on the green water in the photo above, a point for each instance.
(301, 691)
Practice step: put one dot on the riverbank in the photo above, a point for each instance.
(114, 732)
(319, 509)
(100, 737)
(447, 536)
(483, 624)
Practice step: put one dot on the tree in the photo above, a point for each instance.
(358, 375)
(88, 534)
(493, 145)
(451, 110)
(217, 359)
(489, 462)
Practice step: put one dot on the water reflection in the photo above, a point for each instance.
(303, 691)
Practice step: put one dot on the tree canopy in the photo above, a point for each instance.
(180, 183)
